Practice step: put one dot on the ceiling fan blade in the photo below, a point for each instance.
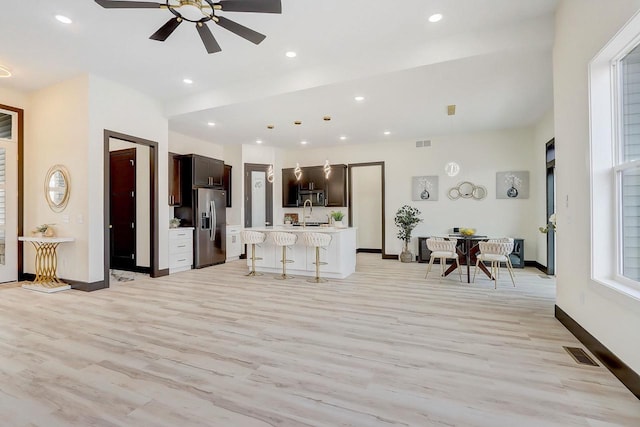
(117, 4)
(166, 30)
(261, 6)
(209, 41)
(241, 30)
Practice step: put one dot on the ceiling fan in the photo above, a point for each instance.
(200, 12)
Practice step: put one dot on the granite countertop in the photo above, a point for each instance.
(309, 229)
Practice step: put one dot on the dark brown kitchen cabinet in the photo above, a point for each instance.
(332, 191)
(336, 187)
(289, 189)
(227, 183)
(203, 171)
(175, 191)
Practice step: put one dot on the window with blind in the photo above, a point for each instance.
(627, 166)
(6, 126)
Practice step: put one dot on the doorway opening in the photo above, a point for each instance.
(367, 207)
(11, 192)
(130, 206)
(551, 205)
(258, 196)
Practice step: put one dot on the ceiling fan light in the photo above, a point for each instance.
(64, 19)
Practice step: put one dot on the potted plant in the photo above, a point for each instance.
(406, 220)
(43, 230)
(288, 220)
(174, 222)
(337, 218)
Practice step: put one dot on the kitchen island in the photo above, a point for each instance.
(340, 255)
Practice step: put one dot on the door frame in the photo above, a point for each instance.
(153, 203)
(385, 255)
(257, 167)
(20, 230)
(550, 157)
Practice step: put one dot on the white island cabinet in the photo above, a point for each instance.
(340, 255)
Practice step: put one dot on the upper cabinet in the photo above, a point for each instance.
(333, 189)
(227, 183)
(175, 191)
(203, 171)
(336, 187)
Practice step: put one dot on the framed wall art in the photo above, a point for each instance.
(512, 185)
(424, 188)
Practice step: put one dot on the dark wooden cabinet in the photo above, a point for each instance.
(227, 183)
(312, 178)
(289, 189)
(204, 171)
(175, 191)
(336, 187)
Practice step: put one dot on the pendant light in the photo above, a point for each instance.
(297, 172)
(270, 176)
(327, 166)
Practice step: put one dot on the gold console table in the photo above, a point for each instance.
(46, 264)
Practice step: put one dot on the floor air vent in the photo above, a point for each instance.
(580, 356)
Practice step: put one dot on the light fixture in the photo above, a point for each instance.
(386, 132)
(270, 175)
(303, 142)
(327, 169)
(435, 17)
(359, 98)
(188, 81)
(212, 124)
(4, 72)
(297, 172)
(342, 138)
(63, 19)
(291, 54)
(258, 141)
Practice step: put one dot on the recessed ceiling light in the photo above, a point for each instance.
(4, 72)
(258, 141)
(435, 18)
(343, 138)
(386, 132)
(211, 124)
(291, 54)
(64, 19)
(303, 142)
(188, 81)
(359, 98)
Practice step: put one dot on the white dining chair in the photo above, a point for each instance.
(443, 250)
(495, 251)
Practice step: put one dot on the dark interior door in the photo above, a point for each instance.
(123, 208)
(551, 206)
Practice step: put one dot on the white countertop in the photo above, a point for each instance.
(299, 229)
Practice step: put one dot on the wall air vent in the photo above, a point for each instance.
(580, 356)
(425, 143)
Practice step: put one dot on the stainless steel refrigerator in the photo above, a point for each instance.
(210, 222)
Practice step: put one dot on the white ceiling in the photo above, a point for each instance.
(492, 58)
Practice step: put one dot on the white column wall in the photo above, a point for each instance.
(582, 29)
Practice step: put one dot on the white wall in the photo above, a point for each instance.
(120, 109)
(480, 156)
(143, 196)
(543, 133)
(183, 144)
(13, 98)
(582, 29)
(56, 132)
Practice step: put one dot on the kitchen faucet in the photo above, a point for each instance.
(304, 210)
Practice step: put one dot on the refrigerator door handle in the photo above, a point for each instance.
(212, 206)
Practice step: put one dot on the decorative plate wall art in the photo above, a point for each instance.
(424, 188)
(512, 185)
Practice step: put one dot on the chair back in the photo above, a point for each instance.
(437, 245)
(496, 247)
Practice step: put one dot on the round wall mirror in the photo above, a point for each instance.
(57, 188)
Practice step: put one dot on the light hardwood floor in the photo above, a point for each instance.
(384, 347)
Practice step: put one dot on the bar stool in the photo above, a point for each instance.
(283, 239)
(253, 238)
(317, 240)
